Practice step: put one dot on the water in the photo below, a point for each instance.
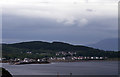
(65, 68)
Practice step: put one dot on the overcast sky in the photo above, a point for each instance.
(72, 21)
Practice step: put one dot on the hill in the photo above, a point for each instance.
(107, 44)
(39, 49)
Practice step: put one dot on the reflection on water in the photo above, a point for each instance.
(0, 64)
(76, 68)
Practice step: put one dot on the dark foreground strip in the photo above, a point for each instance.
(5, 73)
(65, 76)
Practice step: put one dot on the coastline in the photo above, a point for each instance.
(50, 61)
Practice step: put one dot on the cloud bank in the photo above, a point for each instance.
(82, 21)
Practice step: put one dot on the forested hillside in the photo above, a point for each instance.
(39, 49)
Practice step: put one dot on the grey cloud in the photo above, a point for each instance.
(89, 10)
(23, 29)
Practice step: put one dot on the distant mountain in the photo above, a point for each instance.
(107, 44)
(37, 48)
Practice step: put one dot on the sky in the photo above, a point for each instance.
(72, 21)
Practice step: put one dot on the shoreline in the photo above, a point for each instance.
(109, 59)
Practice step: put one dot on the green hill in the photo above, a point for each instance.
(41, 49)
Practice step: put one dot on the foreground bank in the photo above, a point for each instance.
(5, 73)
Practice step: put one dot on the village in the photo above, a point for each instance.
(51, 59)
(59, 57)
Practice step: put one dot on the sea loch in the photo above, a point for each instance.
(65, 68)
